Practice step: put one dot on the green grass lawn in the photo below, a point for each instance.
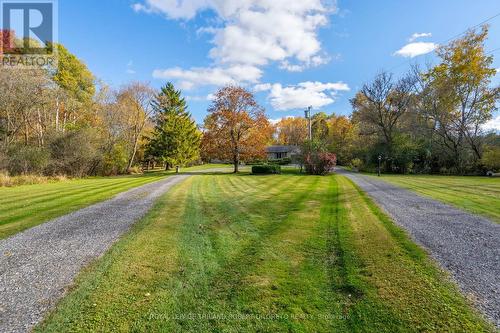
(479, 195)
(242, 253)
(25, 206)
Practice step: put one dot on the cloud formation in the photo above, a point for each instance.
(253, 33)
(418, 35)
(130, 70)
(415, 49)
(302, 95)
(216, 76)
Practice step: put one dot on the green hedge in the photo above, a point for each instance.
(281, 161)
(266, 169)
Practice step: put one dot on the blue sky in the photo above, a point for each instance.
(291, 53)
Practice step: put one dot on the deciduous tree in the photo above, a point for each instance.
(461, 88)
(236, 128)
(137, 101)
(291, 131)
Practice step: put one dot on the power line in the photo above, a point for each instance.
(473, 27)
(493, 51)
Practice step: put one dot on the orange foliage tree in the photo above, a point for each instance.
(236, 127)
(292, 131)
(342, 135)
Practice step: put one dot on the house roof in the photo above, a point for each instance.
(283, 149)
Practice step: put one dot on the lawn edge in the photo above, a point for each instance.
(88, 277)
(420, 254)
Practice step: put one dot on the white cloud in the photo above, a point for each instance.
(176, 9)
(262, 87)
(255, 32)
(130, 69)
(262, 31)
(498, 70)
(417, 35)
(208, 97)
(314, 62)
(412, 50)
(137, 7)
(216, 76)
(493, 124)
(302, 95)
(291, 68)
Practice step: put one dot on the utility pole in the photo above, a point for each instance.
(308, 117)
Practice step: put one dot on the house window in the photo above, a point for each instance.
(281, 155)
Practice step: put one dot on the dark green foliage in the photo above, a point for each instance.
(176, 138)
(75, 153)
(281, 161)
(268, 169)
(255, 162)
(27, 160)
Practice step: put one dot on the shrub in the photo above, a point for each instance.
(8, 181)
(135, 170)
(27, 160)
(356, 164)
(115, 162)
(281, 161)
(316, 158)
(4, 160)
(266, 169)
(491, 159)
(319, 163)
(75, 153)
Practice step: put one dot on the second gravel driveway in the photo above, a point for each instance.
(466, 245)
(36, 266)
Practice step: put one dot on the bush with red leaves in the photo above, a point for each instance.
(319, 163)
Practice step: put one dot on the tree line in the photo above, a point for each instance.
(428, 121)
(63, 121)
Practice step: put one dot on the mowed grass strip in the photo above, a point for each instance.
(241, 253)
(25, 206)
(478, 195)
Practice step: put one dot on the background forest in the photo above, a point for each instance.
(64, 122)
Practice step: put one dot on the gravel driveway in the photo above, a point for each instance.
(36, 266)
(466, 245)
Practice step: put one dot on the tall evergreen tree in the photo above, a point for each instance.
(176, 138)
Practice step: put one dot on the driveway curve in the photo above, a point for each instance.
(466, 245)
(39, 264)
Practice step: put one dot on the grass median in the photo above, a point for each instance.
(478, 195)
